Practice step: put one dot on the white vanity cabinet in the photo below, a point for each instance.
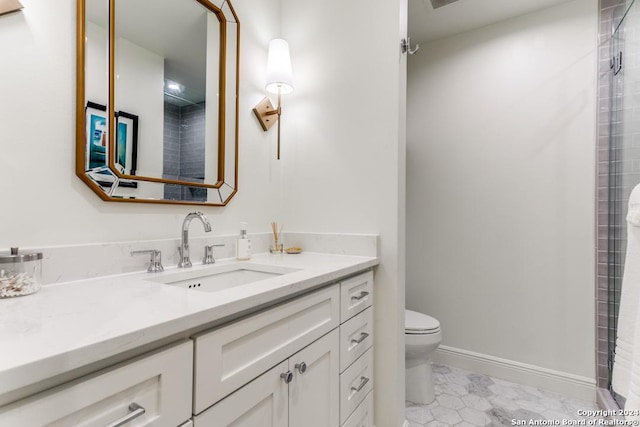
(304, 359)
(152, 390)
(304, 363)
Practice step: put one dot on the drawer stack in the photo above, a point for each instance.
(356, 351)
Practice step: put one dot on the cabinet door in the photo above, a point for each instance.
(261, 403)
(315, 389)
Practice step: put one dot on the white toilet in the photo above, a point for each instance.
(422, 336)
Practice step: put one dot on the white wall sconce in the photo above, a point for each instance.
(8, 6)
(279, 82)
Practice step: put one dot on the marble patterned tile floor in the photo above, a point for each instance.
(467, 399)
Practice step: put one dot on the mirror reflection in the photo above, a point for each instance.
(162, 73)
(174, 93)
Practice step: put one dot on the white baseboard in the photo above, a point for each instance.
(561, 382)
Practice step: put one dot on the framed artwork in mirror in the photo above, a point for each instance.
(96, 136)
(126, 142)
(96, 163)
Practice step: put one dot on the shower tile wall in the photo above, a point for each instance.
(192, 142)
(171, 150)
(624, 174)
(184, 129)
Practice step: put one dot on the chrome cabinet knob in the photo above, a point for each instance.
(301, 367)
(287, 377)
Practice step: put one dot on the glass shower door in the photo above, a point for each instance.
(624, 156)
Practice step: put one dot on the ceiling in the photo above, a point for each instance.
(426, 24)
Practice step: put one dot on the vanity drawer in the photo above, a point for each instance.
(355, 383)
(363, 415)
(356, 336)
(160, 383)
(230, 356)
(356, 294)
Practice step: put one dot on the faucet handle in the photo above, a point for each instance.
(208, 253)
(155, 264)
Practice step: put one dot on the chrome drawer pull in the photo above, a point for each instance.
(363, 336)
(363, 382)
(363, 294)
(136, 411)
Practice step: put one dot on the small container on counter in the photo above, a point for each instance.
(243, 244)
(20, 273)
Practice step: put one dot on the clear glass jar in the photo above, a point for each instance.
(20, 273)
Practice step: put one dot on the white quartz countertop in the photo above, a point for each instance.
(68, 325)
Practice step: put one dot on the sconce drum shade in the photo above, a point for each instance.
(279, 75)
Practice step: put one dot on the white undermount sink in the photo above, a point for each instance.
(219, 277)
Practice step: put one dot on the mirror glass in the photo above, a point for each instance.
(159, 100)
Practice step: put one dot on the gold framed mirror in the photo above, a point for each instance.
(157, 100)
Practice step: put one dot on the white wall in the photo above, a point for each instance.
(343, 151)
(140, 76)
(96, 64)
(500, 183)
(43, 202)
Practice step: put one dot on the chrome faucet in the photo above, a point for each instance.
(185, 261)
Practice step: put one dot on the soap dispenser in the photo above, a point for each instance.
(243, 244)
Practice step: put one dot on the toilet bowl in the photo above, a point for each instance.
(422, 336)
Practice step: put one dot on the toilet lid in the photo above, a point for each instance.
(415, 322)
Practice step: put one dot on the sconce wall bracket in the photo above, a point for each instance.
(266, 113)
(8, 6)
